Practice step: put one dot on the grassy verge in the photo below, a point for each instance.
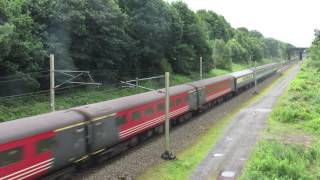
(23, 107)
(290, 147)
(191, 157)
(188, 159)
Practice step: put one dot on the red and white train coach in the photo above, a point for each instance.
(34, 146)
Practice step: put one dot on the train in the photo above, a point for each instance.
(49, 145)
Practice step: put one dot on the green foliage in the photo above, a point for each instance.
(301, 104)
(314, 50)
(237, 52)
(216, 26)
(222, 55)
(275, 160)
(193, 43)
(118, 39)
(21, 49)
(151, 26)
(299, 109)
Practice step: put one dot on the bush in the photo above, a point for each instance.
(275, 160)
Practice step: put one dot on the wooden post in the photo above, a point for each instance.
(52, 84)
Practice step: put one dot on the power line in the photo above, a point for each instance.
(22, 74)
(19, 77)
(22, 79)
(24, 95)
(31, 94)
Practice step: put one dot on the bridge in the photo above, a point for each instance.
(297, 50)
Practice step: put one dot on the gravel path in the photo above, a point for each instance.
(136, 160)
(227, 158)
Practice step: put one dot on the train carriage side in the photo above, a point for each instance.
(264, 71)
(243, 79)
(213, 89)
(123, 119)
(38, 145)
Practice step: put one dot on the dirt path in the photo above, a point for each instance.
(228, 157)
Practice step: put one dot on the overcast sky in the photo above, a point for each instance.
(290, 21)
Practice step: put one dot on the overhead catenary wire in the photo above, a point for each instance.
(25, 77)
(22, 79)
(31, 94)
(24, 95)
(59, 91)
(22, 74)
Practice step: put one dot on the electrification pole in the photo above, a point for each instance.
(255, 77)
(52, 84)
(200, 67)
(167, 155)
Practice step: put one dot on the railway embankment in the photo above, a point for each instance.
(290, 146)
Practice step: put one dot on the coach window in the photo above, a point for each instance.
(148, 111)
(161, 107)
(171, 103)
(135, 116)
(178, 101)
(45, 145)
(121, 120)
(10, 156)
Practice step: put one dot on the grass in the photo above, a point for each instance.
(275, 160)
(290, 147)
(192, 156)
(23, 107)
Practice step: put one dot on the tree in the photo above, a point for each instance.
(222, 55)
(216, 26)
(21, 49)
(117, 39)
(193, 44)
(152, 24)
(237, 52)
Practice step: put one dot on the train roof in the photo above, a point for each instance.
(241, 73)
(265, 66)
(30, 126)
(209, 81)
(123, 103)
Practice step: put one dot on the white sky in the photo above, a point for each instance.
(291, 21)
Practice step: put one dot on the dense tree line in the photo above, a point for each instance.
(314, 50)
(120, 38)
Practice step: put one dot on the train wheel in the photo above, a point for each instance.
(133, 141)
(150, 133)
(160, 129)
